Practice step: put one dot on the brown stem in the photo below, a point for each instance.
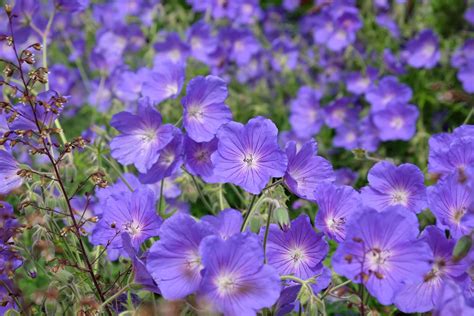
(57, 174)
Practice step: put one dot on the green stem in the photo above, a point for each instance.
(249, 212)
(160, 205)
(201, 195)
(267, 229)
(469, 115)
(221, 198)
(119, 173)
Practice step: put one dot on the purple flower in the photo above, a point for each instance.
(226, 224)
(171, 49)
(129, 84)
(197, 158)
(134, 214)
(423, 50)
(201, 41)
(386, 21)
(174, 261)
(465, 75)
(359, 82)
(452, 202)
(284, 55)
(391, 185)
(306, 169)
(169, 160)
(340, 111)
(298, 251)
(346, 137)
(8, 223)
(451, 301)
(141, 274)
(336, 205)
(234, 280)
(345, 176)
(381, 250)
(142, 137)
(424, 295)
(393, 63)
(388, 92)
(244, 46)
(163, 82)
(469, 15)
(204, 108)
(249, 155)
(396, 122)
(451, 152)
(9, 180)
(306, 116)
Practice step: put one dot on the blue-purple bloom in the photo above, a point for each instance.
(174, 261)
(142, 137)
(451, 152)
(381, 251)
(226, 224)
(169, 160)
(172, 49)
(163, 82)
(452, 202)
(396, 122)
(235, 280)
(298, 251)
(423, 50)
(9, 179)
(197, 158)
(132, 213)
(387, 92)
(395, 185)
(249, 155)
(306, 116)
(306, 169)
(424, 295)
(336, 205)
(204, 108)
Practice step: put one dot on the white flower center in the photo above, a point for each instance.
(397, 122)
(171, 89)
(195, 112)
(133, 228)
(148, 135)
(250, 160)
(226, 284)
(174, 55)
(399, 196)
(297, 255)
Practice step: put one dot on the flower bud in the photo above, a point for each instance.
(462, 248)
(281, 216)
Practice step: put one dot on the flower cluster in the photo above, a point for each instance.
(235, 157)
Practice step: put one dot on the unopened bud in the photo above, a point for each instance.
(282, 217)
(462, 248)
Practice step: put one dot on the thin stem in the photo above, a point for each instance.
(267, 229)
(201, 195)
(249, 212)
(469, 115)
(119, 173)
(160, 205)
(221, 198)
